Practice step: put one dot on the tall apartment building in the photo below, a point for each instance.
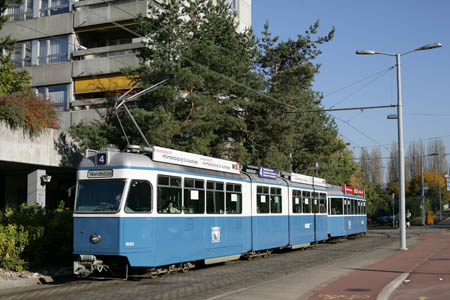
(74, 50)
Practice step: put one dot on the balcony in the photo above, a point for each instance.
(39, 27)
(105, 60)
(95, 12)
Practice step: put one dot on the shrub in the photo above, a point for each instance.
(13, 240)
(36, 237)
(27, 111)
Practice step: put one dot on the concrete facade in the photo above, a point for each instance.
(51, 74)
(39, 27)
(52, 152)
(16, 145)
(80, 41)
(87, 14)
(66, 49)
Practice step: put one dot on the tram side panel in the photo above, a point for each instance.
(301, 219)
(336, 219)
(320, 216)
(223, 231)
(270, 228)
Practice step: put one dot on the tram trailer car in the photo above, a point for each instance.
(346, 211)
(165, 209)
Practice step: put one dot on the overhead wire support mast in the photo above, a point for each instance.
(339, 109)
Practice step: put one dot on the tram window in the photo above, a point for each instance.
(336, 206)
(322, 203)
(262, 199)
(275, 201)
(99, 196)
(194, 196)
(306, 202)
(347, 206)
(234, 199)
(315, 202)
(296, 201)
(169, 195)
(215, 200)
(354, 207)
(139, 197)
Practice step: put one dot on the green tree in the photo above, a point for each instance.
(230, 96)
(280, 133)
(202, 108)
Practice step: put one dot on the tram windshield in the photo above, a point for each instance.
(99, 196)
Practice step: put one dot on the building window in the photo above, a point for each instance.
(19, 11)
(21, 56)
(233, 4)
(57, 94)
(53, 50)
(54, 7)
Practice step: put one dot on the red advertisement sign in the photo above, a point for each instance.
(347, 189)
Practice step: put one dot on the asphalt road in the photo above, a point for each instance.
(208, 282)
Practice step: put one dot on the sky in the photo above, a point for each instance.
(350, 80)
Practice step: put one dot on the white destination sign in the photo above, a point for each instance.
(194, 160)
(100, 173)
(305, 179)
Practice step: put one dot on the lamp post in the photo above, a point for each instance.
(422, 192)
(401, 157)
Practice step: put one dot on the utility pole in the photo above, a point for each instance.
(422, 194)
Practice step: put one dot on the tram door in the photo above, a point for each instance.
(319, 200)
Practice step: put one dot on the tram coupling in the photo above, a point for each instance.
(87, 264)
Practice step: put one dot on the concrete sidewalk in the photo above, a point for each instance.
(422, 272)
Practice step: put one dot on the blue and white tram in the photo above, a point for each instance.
(308, 209)
(163, 210)
(155, 213)
(346, 211)
(270, 223)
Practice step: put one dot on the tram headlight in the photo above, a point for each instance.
(95, 238)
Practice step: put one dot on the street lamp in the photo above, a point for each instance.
(401, 157)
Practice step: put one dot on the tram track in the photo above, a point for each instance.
(209, 280)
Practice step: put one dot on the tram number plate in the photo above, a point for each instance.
(100, 173)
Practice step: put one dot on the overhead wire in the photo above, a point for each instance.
(364, 86)
(260, 93)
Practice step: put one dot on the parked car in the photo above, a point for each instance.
(384, 219)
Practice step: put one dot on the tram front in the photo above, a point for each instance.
(104, 183)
